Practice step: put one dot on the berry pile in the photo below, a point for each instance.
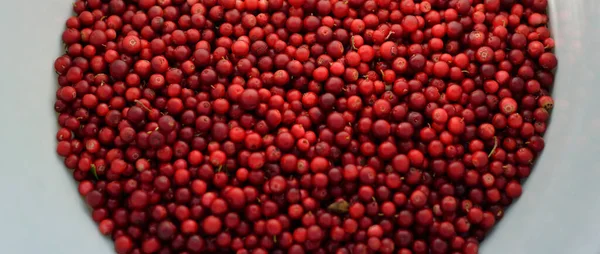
(302, 126)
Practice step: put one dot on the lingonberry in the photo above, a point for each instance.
(302, 126)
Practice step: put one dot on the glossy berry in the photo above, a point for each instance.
(302, 126)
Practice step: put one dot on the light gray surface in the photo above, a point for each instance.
(41, 211)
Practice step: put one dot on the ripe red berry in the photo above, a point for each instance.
(302, 126)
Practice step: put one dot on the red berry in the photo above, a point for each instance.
(302, 126)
